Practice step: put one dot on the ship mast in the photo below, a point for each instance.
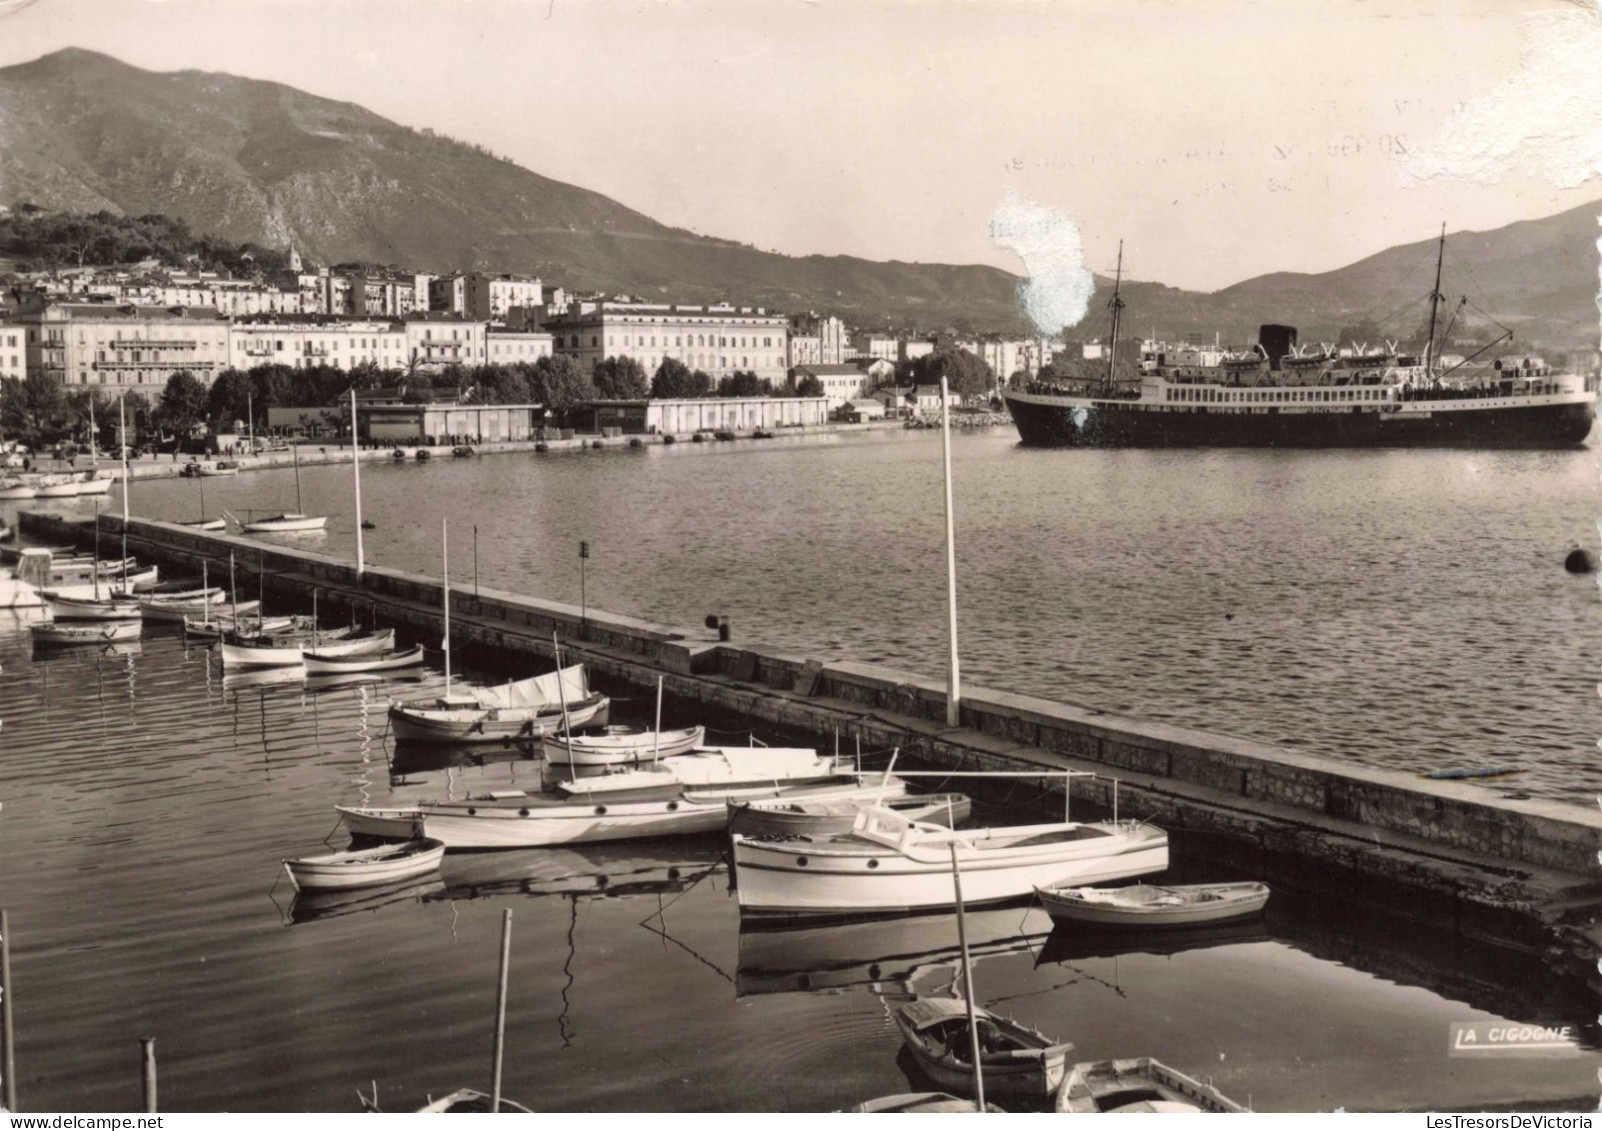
(1117, 305)
(1435, 301)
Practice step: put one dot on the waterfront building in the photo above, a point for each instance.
(308, 341)
(120, 348)
(705, 414)
(508, 347)
(447, 422)
(876, 370)
(436, 339)
(874, 344)
(805, 349)
(13, 354)
(925, 398)
(840, 382)
(894, 399)
(914, 348)
(834, 340)
(860, 411)
(718, 338)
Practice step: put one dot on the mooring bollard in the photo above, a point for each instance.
(147, 1053)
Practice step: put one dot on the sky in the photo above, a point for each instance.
(1218, 139)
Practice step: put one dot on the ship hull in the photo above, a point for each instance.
(1064, 422)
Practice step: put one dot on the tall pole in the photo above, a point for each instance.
(1435, 299)
(500, 1008)
(445, 554)
(356, 471)
(967, 980)
(122, 429)
(475, 561)
(1117, 313)
(584, 603)
(8, 1035)
(250, 409)
(953, 678)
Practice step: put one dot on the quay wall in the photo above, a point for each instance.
(1390, 809)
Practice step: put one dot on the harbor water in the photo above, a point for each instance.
(1406, 610)
(1401, 609)
(149, 800)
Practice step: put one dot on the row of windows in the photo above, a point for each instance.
(1273, 396)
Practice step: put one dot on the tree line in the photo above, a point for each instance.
(37, 240)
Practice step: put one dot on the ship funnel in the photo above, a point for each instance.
(1277, 341)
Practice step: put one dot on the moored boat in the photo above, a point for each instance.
(365, 867)
(85, 632)
(623, 806)
(889, 865)
(523, 710)
(177, 606)
(287, 523)
(1134, 1086)
(82, 607)
(1018, 1062)
(619, 745)
(205, 523)
(917, 1103)
(763, 817)
(1151, 905)
(323, 663)
(218, 621)
(217, 467)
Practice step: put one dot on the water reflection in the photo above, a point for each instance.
(308, 907)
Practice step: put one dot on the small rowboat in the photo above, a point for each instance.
(366, 866)
(1018, 1062)
(778, 817)
(1139, 1085)
(620, 745)
(85, 632)
(322, 663)
(220, 467)
(919, 1103)
(470, 1101)
(206, 524)
(1150, 905)
(176, 606)
(283, 524)
(220, 620)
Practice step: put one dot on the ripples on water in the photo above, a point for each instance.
(1404, 609)
(149, 802)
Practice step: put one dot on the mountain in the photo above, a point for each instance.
(258, 161)
(254, 161)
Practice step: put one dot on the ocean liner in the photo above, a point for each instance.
(1282, 395)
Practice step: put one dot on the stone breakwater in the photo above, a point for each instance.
(1521, 873)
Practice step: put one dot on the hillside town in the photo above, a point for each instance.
(173, 343)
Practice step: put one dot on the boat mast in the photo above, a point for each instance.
(294, 453)
(94, 450)
(953, 676)
(356, 470)
(967, 980)
(122, 442)
(1117, 306)
(445, 554)
(1435, 301)
(95, 567)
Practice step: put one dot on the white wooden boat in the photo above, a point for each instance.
(364, 867)
(85, 632)
(918, 1103)
(56, 486)
(1019, 1063)
(177, 606)
(888, 864)
(1135, 1086)
(289, 649)
(470, 1101)
(243, 655)
(322, 663)
(343, 642)
(64, 607)
(620, 745)
(788, 817)
(93, 483)
(525, 710)
(15, 487)
(287, 523)
(206, 524)
(1151, 905)
(644, 803)
(219, 620)
(218, 467)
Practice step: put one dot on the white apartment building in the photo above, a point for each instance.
(435, 340)
(305, 344)
(876, 345)
(125, 348)
(490, 298)
(13, 351)
(508, 347)
(717, 339)
(805, 349)
(841, 383)
(834, 342)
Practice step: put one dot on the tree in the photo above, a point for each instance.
(744, 384)
(500, 384)
(560, 385)
(675, 381)
(88, 407)
(33, 409)
(228, 401)
(966, 374)
(184, 403)
(621, 379)
(809, 386)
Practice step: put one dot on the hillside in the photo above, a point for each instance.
(251, 161)
(247, 161)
